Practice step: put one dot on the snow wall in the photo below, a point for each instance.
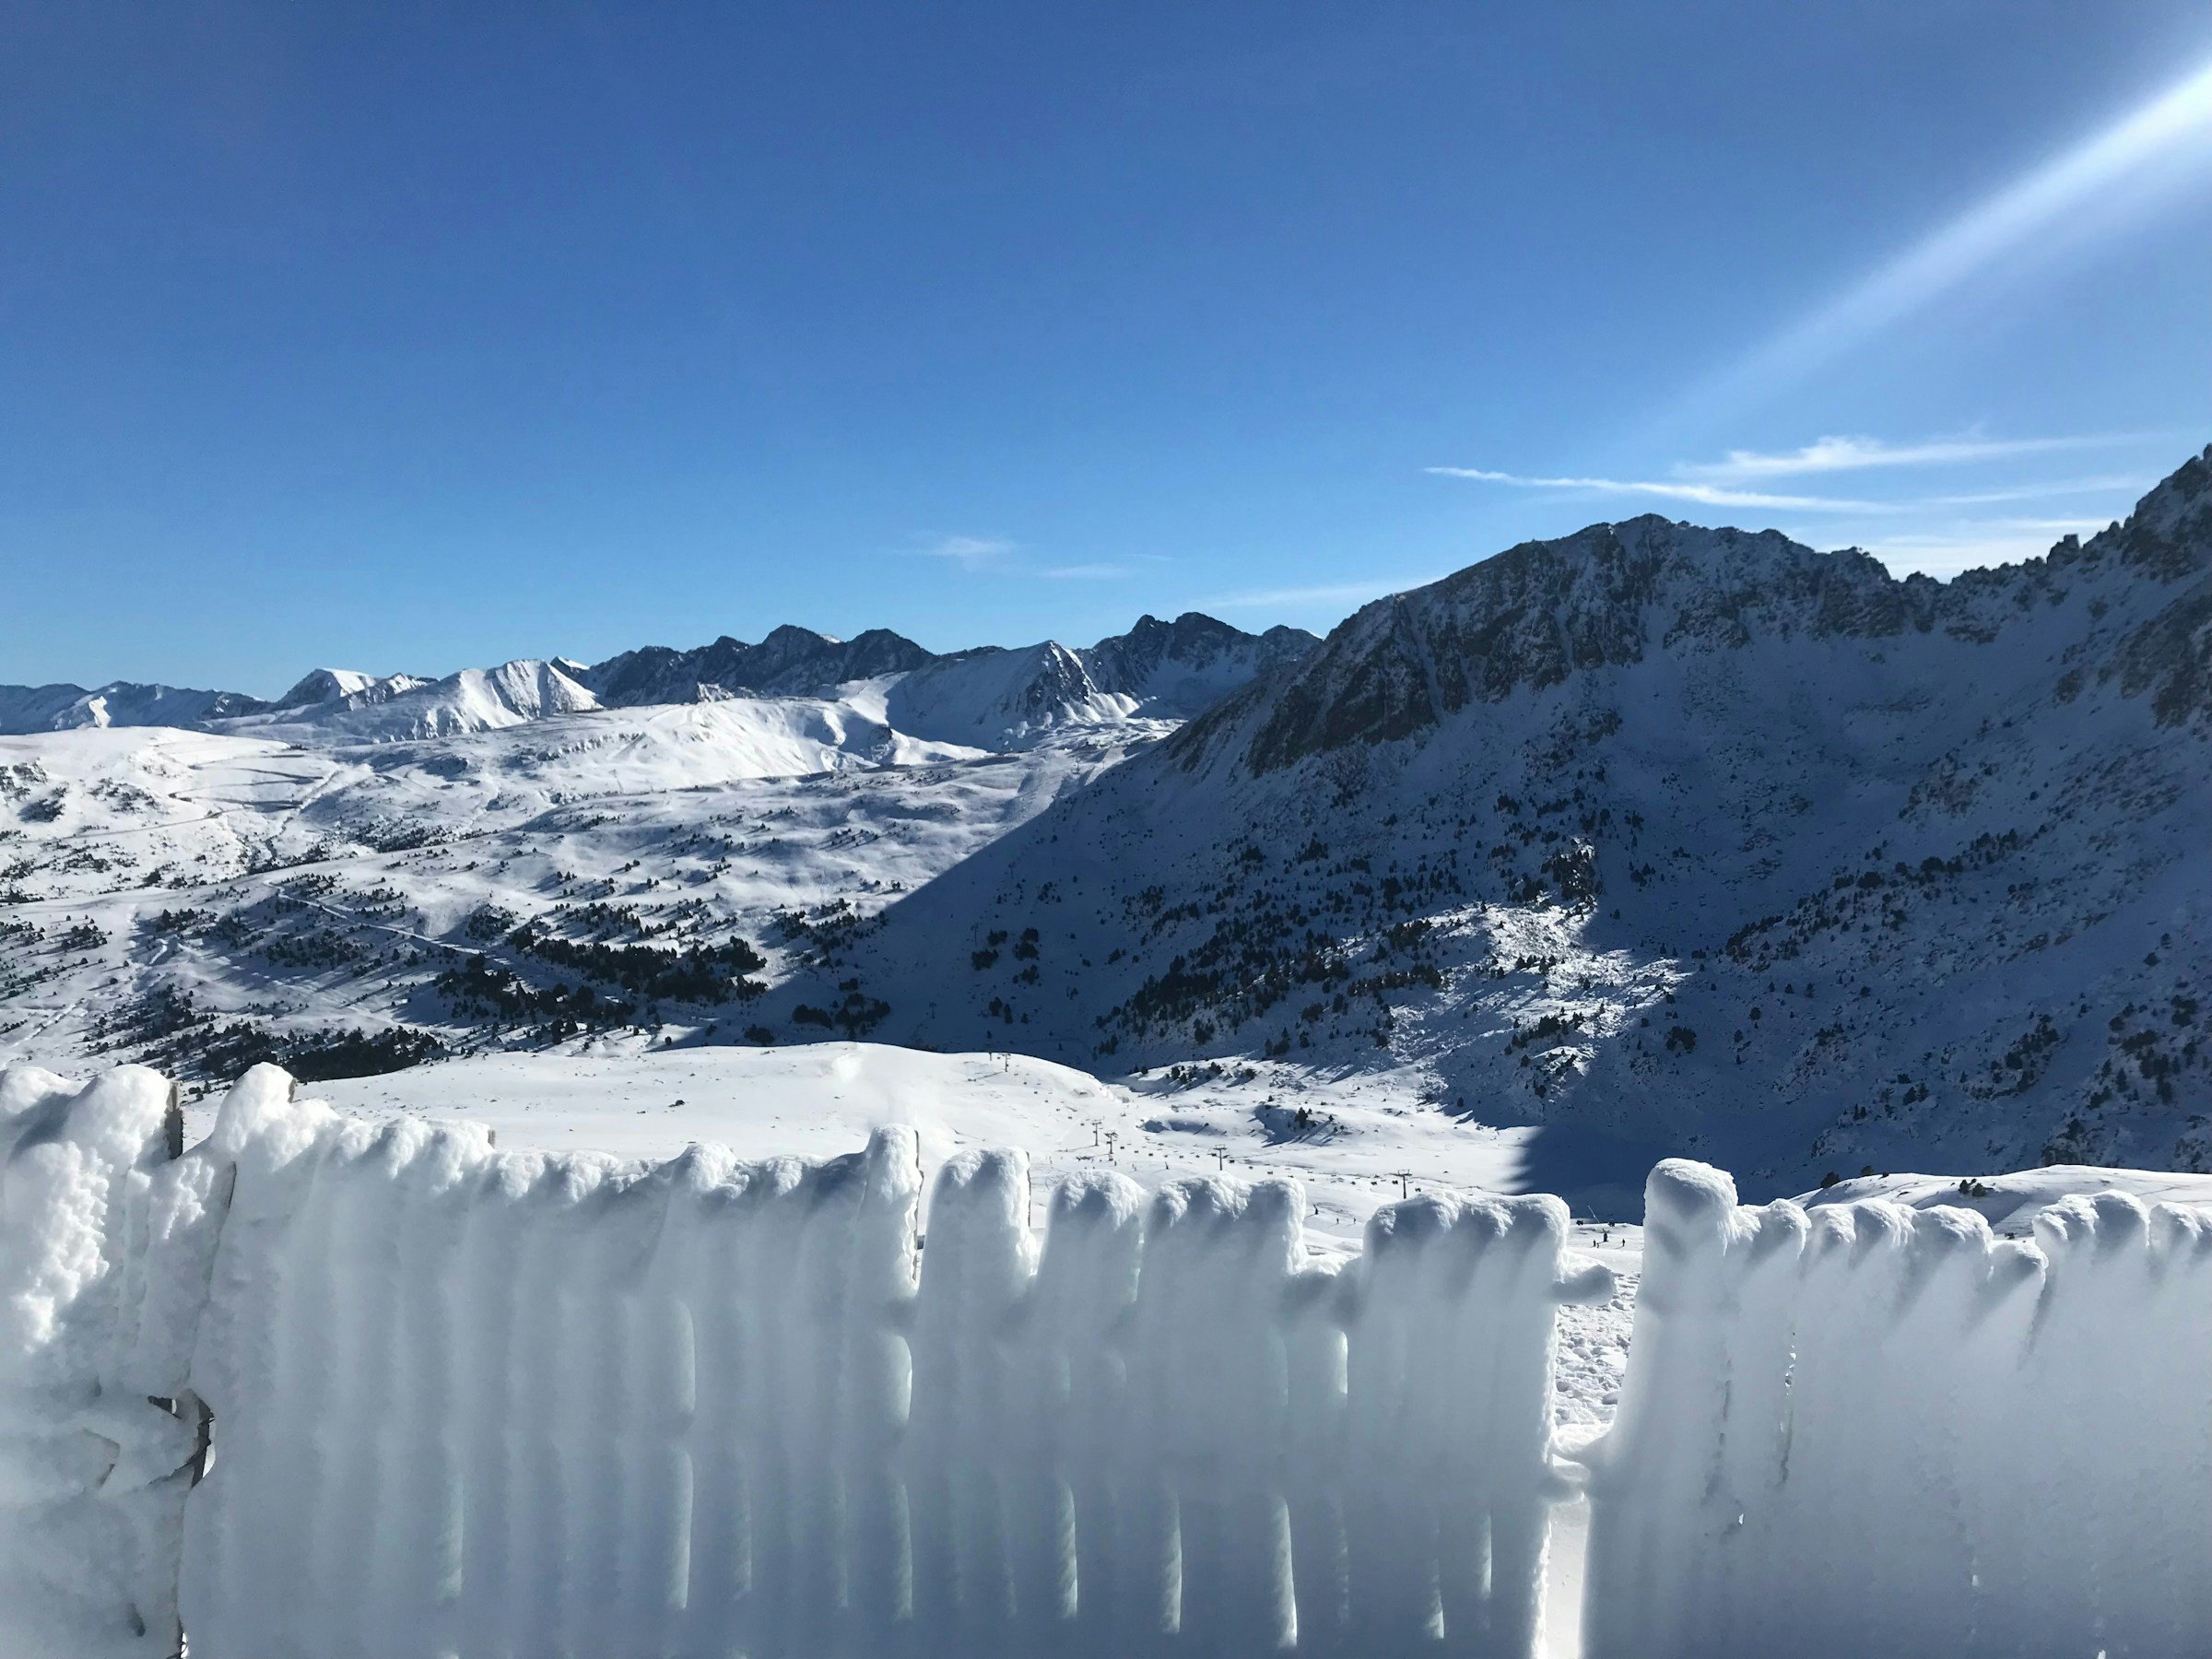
(1880, 1431)
(474, 1403)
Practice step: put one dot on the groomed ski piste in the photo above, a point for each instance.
(516, 1370)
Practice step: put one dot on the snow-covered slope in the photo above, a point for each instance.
(998, 699)
(174, 895)
(1669, 834)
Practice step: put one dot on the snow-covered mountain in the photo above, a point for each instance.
(396, 708)
(62, 708)
(323, 688)
(1685, 836)
(1158, 671)
(989, 698)
(1179, 669)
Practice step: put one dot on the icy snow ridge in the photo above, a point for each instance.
(475, 1401)
(1878, 1430)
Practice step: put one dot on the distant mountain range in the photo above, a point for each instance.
(989, 698)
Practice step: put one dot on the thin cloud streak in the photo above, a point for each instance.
(1852, 454)
(1706, 495)
(971, 552)
(995, 556)
(2037, 492)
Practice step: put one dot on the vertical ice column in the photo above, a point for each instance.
(1315, 1471)
(81, 1567)
(1650, 1472)
(352, 1408)
(1925, 1489)
(1449, 1378)
(489, 1435)
(769, 1385)
(2176, 1582)
(248, 1352)
(552, 1508)
(965, 1435)
(416, 1575)
(2003, 1520)
(828, 1263)
(616, 1425)
(1840, 1428)
(660, 1492)
(1085, 1290)
(707, 1223)
(1209, 1397)
(1733, 1572)
(874, 1384)
(2105, 1397)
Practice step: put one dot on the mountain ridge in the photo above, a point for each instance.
(1545, 829)
(986, 696)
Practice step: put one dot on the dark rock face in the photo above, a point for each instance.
(1604, 597)
(790, 662)
(1131, 661)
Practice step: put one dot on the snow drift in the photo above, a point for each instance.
(472, 1401)
(1879, 1430)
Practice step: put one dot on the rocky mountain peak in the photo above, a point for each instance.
(1608, 594)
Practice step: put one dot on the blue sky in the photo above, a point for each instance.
(414, 337)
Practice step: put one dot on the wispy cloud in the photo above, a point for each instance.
(1940, 534)
(997, 556)
(1852, 454)
(971, 552)
(2042, 491)
(1708, 495)
(1718, 483)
